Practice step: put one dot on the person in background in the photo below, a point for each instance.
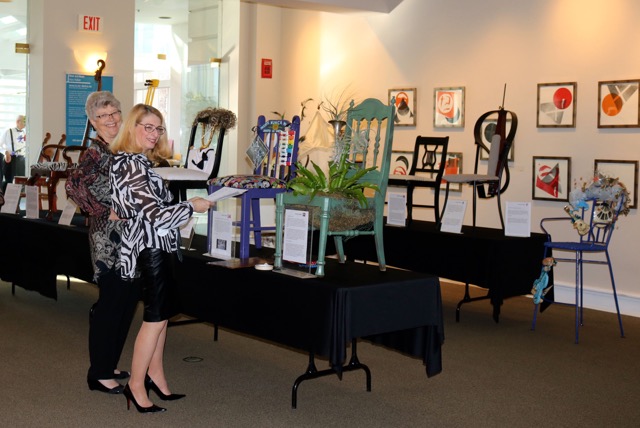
(88, 186)
(150, 241)
(13, 145)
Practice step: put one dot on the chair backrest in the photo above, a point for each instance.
(429, 156)
(497, 127)
(210, 126)
(601, 217)
(276, 144)
(370, 126)
(51, 152)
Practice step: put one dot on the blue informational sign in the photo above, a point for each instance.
(79, 86)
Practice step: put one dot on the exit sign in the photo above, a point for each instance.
(90, 23)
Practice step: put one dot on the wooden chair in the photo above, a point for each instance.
(505, 123)
(270, 176)
(370, 132)
(427, 168)
(201, 163)
(48, 153)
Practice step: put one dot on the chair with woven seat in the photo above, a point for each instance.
(426, 171)
(369, 140)
(278, 140)
(595, 221)
(202, 163)
(498, 127)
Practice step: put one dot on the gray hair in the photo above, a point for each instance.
(99, 99)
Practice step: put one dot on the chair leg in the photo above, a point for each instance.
(436, 203)
(245, 226)
(322, 241)
(500, 210)
(256, 225)
(444, 206)
(410, 190)
(475, 191)
(578, 293)
(378, 229)
(615, 295)
(277, 258)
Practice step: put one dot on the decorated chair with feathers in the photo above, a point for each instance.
(593, 212)
(362, 162)
(201, 163)
(274, 152)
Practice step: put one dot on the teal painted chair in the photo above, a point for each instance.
(370, 128)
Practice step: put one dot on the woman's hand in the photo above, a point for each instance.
(200, 205)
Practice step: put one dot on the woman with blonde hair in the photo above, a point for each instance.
(150, 241)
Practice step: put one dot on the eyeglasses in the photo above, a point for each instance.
(114, 115)
(150, 128)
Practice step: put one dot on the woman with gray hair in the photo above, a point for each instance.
(88, 186)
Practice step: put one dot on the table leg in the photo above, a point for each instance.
(313, 373)
(467, 298)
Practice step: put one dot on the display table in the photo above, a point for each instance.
(321, 316)
(505, 266)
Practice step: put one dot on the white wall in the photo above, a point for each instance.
(53, 37)
(481, 46)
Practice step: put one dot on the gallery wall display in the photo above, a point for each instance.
(448, 107)
(551, 178)
(405, 100)
(557, 105)
(453, 165)
(618, 104)
(401, 162)
(626, 171)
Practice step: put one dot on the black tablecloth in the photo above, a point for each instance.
(506, 266)
(399, 309)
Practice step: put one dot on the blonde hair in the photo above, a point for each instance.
(126, 139)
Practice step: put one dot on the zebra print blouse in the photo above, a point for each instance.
(141, 198)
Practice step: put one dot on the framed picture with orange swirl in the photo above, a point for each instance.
(448, 107)
(557, 105)
(405, 100)
(619, 104)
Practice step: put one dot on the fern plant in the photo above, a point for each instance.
(341, 180)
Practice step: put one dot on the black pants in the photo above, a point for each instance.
(12, 169)
(109, 323)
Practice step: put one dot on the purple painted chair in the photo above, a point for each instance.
(274, 152)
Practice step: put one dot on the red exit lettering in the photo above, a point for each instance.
(91, 23)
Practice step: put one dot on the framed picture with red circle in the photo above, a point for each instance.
(557, 105)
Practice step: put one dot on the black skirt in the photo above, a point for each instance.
(158, 284)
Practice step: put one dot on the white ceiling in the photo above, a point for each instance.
(176, 11)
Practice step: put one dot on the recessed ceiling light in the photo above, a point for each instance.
(164, 17)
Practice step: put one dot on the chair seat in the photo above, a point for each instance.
(249, 182)
(576, 246)
(465, 178)
(183, 174)
(397, 179)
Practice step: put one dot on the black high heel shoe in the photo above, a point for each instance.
(151, 409)
(96, 385)
(121, 375)
(149, 384)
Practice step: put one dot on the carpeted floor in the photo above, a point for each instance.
(495, 374)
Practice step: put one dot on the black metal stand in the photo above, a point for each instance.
(467, 298)
(313, 373)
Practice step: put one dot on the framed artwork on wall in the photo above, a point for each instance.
(626, 171)
(551, 178)
(453, 165)
(557, 105)
(448, 107)
(405, 106)
(487, 130)
(401, 162)
(619, 104)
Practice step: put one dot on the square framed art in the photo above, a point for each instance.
(453, 165)
(619, 104)
(557, 105)
(405, 100)
(401, 162)
(624, 170)
(448, 107)
(551, 178)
